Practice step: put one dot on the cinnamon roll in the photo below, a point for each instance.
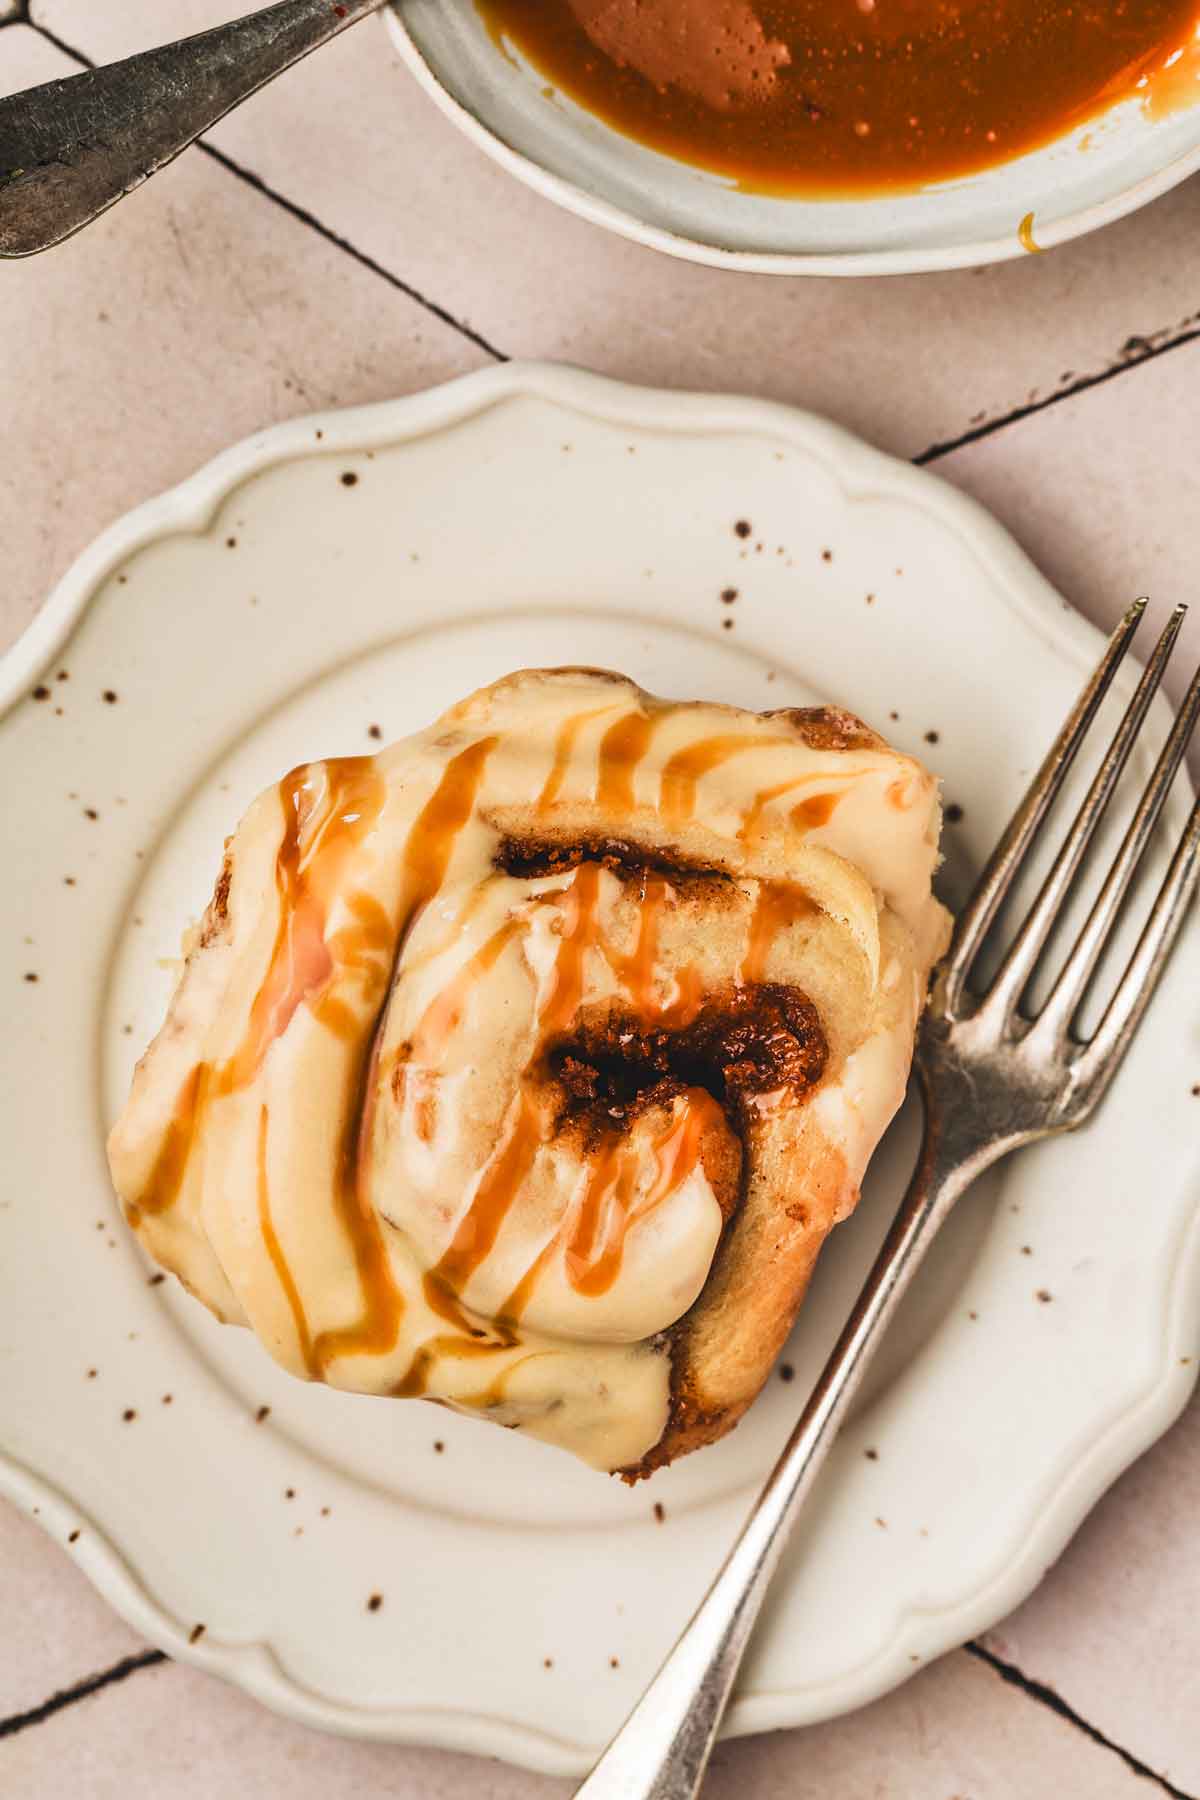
(526, 1065)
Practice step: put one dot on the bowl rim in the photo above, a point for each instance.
(925, 259)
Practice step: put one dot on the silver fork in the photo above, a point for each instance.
(993, 1077)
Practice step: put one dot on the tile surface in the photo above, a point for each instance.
(347, 245)
(956, 1730)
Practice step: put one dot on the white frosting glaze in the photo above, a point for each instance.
(352, 1133)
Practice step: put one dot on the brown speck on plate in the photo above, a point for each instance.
(89, 812)
(349, 478)
(374, 1603)
(786, 1372)
(68, 881)
(73, 1536)
(894, 717)
(1196, 1090)
(375, 731)
(547, 1662)
(729, 595)
(743, 528)
(1026, 1250)
(231, 543)
(1045, 1296)
(827, 556)
(932, 737)
(41, 692)
(882, 1524)
(264, 1412)
(167, 1399)
(109, 696)
(122, 580)
(871, 1455)
(953, 814)
(289, 1493)
(870, 599)
(438, 1445)
(156, 1280)
(727, 624)
(660, 1511)
(972, 1315)
(63, 675)
(30, 975)
(614, 1662)
(129, 1415)
(195, 1634)
(92, 1374)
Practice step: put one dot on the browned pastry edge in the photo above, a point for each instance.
(759, 1275)
(829, 728)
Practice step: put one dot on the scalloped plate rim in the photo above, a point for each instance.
(186, 509)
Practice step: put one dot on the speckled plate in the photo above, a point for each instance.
(347, 576)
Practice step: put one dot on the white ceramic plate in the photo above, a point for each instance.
(266, 612)
(1098, 173)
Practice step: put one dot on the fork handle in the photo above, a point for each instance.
(70, 148)
(663, 1748)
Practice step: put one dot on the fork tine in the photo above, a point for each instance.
(972, 924)
(1020, 960)
(1069, 988)
(1104, 1054)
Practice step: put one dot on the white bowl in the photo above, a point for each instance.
(1088, 178)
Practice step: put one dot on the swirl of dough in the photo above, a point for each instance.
(526, 1065)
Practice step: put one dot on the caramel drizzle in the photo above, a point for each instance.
(779, 904)
(439, 1022)
(322, 826)
(594, 1249)
(621, 750)
(808, 815)
(476, 1232)
(325, 817)
(307, 966)
(437, 826)
(564, 748)
(275, 1251)
(526, 1129)
(687, 768)
(636, 971)
(427, 856)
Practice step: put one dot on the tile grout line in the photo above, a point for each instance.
(1007, 1672)
(1048, 1697)
(304, 217)
(1147, 352)
(92, 1684)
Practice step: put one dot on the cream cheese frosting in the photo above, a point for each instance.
(487, 1042)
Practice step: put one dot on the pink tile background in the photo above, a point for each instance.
(301, 268)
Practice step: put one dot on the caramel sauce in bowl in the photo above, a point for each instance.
(824, 136)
